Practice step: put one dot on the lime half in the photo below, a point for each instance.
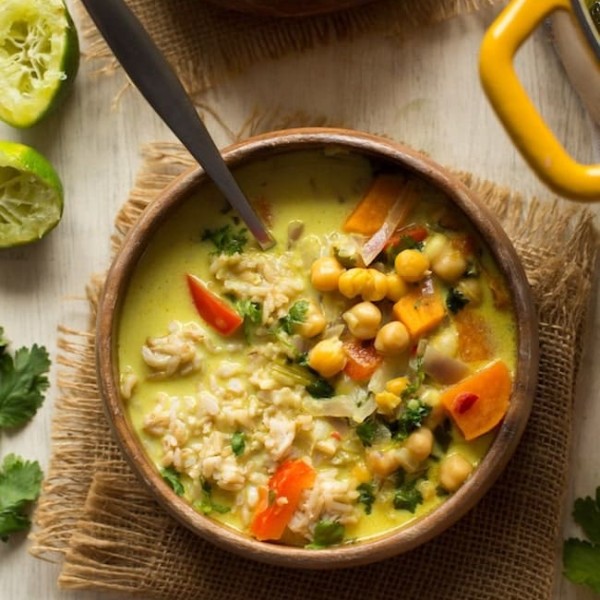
(31, 195)
(39, 58)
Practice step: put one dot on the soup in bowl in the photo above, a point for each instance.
(341, 397)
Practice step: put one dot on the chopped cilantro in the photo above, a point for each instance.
(366, 431)
(295, 316)
(407, 496)
(173, 480)
(206, 504)
(443, 435)
(410, 419)
(327, 533)
(320, 388)
(226, 239)
(417, 376)
(366, 495)
(238, 443)
(23, 379)
(251, 312)
(581, 558)
(20, 483)
(456, 300)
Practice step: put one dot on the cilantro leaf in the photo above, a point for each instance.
(226, 239)
(327, 533)
(366, 495)
(320, 388)
(366, 431)
(251, 313)
(410, 419)
(581, 562)
(581, 558)
(586, 513)
(206, 504)
(23, 379)
(20, 483)
(173, 480)
(238, 443)
(296, 316)
(3, 340)
(456, 300)
(407, 497)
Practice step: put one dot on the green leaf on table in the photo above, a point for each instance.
(581, 558)
(20, 483)
(586, 513)
(581, 563)
(23, 379)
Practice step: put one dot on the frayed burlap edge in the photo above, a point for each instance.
(215, 43)
(93, 516)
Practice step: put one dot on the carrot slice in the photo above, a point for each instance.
(473, 336)
(420, 310)
(370, 213)
(363, 359)
(479, 402)
(277, 504)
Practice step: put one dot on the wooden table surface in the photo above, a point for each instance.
(423, 90)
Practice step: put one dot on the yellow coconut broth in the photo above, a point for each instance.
(320, 190)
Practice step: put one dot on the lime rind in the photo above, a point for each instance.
(39, 58)
(31, 195)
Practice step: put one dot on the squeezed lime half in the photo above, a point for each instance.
(39, 58)
(31, 195)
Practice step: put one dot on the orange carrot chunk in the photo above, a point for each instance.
(279, 502)
(371, 212)
(420, 310)
(363, 359)
(479, 402)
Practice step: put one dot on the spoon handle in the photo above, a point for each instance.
(157, 82)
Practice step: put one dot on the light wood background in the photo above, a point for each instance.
(423, 90)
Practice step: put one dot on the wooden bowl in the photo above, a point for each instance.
(505, 440)
(288, 8)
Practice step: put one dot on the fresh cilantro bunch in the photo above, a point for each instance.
(581, 558)
(20, 483)
(23, 380)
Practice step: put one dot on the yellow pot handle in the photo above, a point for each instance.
(516, 111)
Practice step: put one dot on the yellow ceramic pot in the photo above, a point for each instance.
(577, 26)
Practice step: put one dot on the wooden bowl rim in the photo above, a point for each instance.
(508, 434)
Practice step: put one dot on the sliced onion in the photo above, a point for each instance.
(443, 368)
(396, 215)
(347, 406)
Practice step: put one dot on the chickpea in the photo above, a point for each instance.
(392, 338)
(383, 463)
(363, 320)
(325, 273)
(450, 265)
(471, 289)
(397, 385)
(375, 287)
(412, 265)
(434, 246)
(387, 402)
(327, 357)
(352, 281)
(454, 470)
(396, 287)
(420, 443)
(313, 324)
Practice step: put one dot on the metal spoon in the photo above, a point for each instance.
(155, 79)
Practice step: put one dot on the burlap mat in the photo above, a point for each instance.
(110, 534)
